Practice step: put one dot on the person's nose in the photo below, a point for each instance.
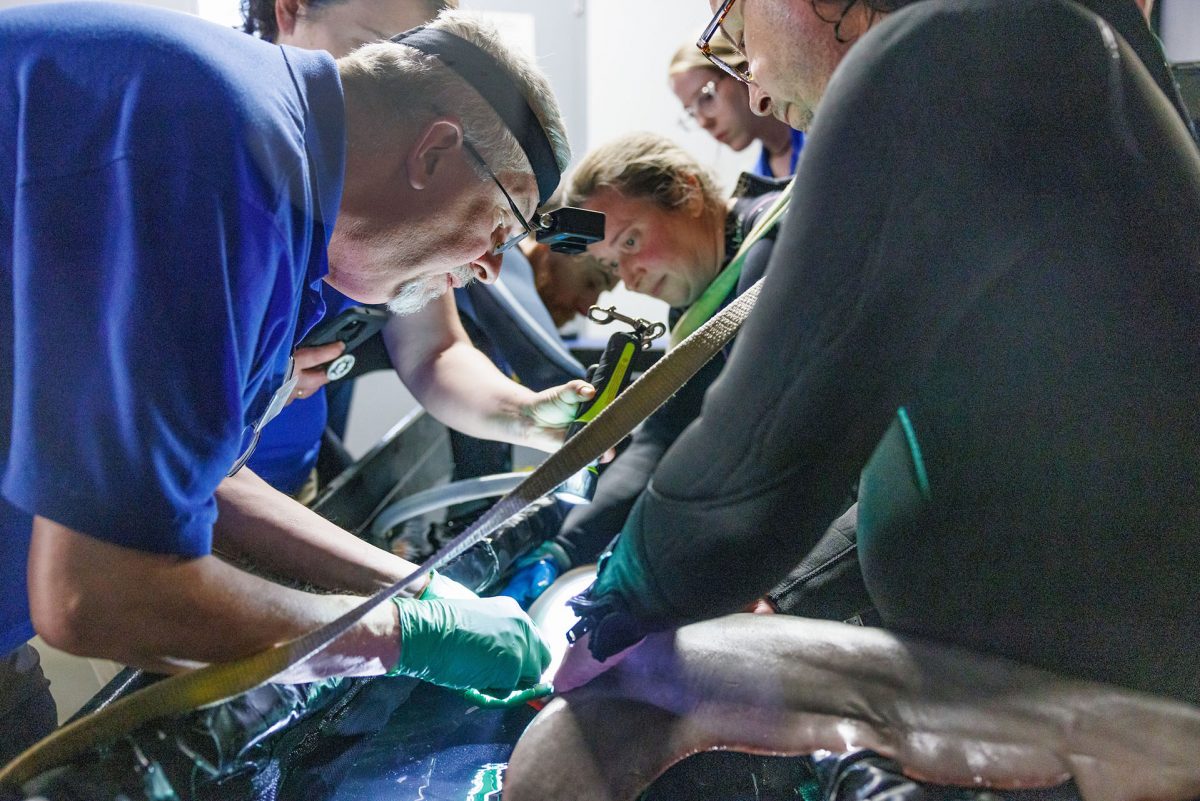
(760, 101)
(487, 267)
(628, 272)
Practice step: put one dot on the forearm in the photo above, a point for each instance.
(589, 528)
(165, 613)
(463, 389)
(269, 529)
(455, 382)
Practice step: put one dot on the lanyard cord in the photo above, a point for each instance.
(726, 281)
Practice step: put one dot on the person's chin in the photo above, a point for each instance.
(416, 295)
(796, 116)
(739, 143)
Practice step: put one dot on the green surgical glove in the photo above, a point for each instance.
(441, 588)
(474, 644)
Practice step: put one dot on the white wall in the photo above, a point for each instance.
(179, 5)
(1181, 29)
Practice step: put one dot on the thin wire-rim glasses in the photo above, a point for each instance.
(704, 100)
(705, 45)
(517, 238)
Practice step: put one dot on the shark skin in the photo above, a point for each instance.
(769, 684)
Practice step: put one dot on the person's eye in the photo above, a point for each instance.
(630, 242)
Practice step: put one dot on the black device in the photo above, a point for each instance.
(610, 376)
(570, 229)
(354, 326)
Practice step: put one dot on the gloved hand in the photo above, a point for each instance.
(480, 644)
(530, 581)
(535, 573)
(441, 588)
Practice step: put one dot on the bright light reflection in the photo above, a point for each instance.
(554, 618)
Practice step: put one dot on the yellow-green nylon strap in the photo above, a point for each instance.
(727, 280)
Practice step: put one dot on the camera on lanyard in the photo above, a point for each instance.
(610, 376)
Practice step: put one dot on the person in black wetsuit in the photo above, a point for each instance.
(986, 300)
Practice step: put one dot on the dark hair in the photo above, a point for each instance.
(873, 7)
(258, 16)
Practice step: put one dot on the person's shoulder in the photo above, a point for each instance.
(940, 59)
(985, 27)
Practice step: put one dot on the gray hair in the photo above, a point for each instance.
(401, 83)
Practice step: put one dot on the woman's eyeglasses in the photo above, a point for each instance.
(702, 106)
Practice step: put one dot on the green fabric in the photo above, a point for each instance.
(515, 698)
(441, 588)
(914, 449)
(473, 644)
(709, 302)
(623, 572)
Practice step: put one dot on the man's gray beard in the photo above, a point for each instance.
(417, 294)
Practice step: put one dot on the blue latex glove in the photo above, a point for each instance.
(476, 644)
(535, 573)
(530, 581)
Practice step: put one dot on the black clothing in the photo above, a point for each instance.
(993, 229)
(27, 710)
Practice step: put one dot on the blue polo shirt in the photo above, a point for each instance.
(167, 189)
(763, 167)
(288, 448)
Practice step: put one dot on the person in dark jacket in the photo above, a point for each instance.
(984, 301)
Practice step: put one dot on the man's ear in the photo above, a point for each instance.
(286, 12)
(435, 141)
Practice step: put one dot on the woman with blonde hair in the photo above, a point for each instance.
(719, 103)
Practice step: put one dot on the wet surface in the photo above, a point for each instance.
(437, 747)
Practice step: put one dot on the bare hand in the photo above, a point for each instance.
(545, 418)
(579, 666)
(310, 366)
(762, 606)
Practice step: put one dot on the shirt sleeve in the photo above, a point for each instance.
(141, 297)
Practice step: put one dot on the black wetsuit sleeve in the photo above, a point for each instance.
(827, 583)
(921, 184)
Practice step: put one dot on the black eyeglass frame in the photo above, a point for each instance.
(515, 239)
(705, 45)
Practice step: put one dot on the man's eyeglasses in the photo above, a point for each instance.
(526, 228)
(702, 105)
(705, 44)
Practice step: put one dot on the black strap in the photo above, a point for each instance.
(493, 82)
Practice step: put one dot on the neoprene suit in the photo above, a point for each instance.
(994, 229)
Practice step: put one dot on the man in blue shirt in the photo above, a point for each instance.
(432, 348)
(169, 193)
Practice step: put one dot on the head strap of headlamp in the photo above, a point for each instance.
(492, 81)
